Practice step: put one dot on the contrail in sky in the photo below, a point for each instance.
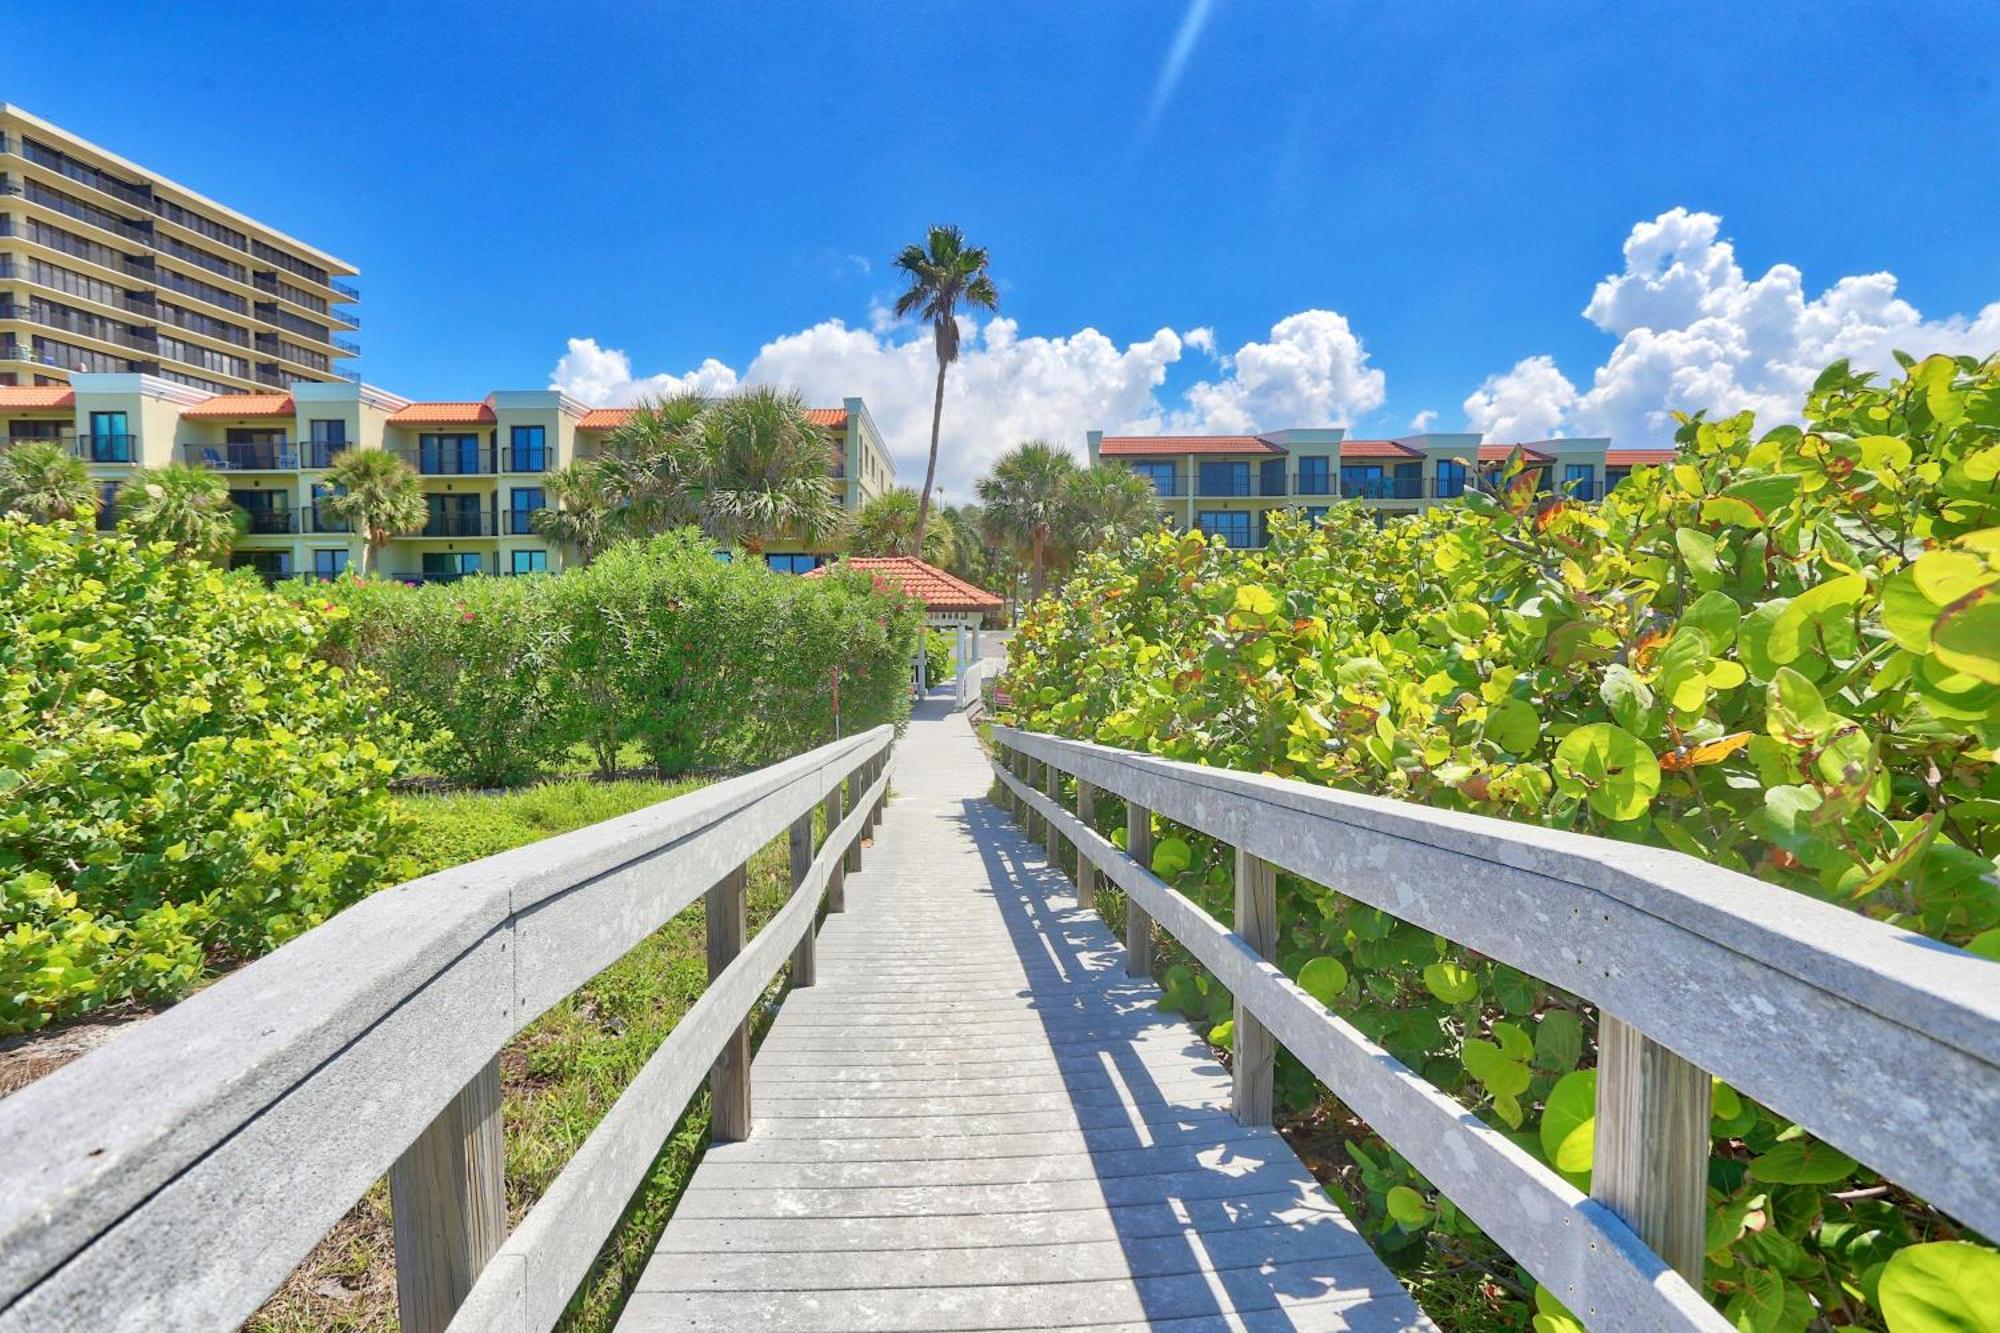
(1177, 58)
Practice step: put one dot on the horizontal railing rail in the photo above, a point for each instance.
(1879, 1041)
(174, 1177)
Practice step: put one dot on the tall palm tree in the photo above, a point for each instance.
(187, 506)
(588, 515)
(972, 559)
(378, 495)
(943, 273)
(46, 482)
(655, 467)
(1026, 498)
(766, 471)
(887, 525)
(1108, 505)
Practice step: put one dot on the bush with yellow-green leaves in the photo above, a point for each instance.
(1780, 653)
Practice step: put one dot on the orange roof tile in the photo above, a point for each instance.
(1377, 449)
(604, 418)
(30, 397)
(1127, 446)
(1499, 453)
(937, 590)
(833, 418)
(1636, 457)
(244, 405)
(444, 414)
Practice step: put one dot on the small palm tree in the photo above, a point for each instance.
(1026, 498)
(378, 495)
(186, 506)
(46, 482)
(944, 273)
(887, 525)
(767, 467)
(655, 467)
(587, 517)
(1108, 506)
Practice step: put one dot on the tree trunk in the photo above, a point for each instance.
(930, 472)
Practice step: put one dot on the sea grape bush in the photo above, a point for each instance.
(183, 781)
(657, 645)
(1780, 653)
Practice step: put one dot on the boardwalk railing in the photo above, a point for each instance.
(970, 683)
(176, 1176)
(1883, 1043)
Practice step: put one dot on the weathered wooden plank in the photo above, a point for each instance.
(1086, 874)
(1138, 925)
(729, 1080)
(1231, 1160)
(448, 1198)
(1151, 1118)
(1219, 1133)
(1254, 1066)
(1651, 1160)
(1573, 1245)
(836, 883)
(781, 1107)
(1881, 1042)
(799, 845)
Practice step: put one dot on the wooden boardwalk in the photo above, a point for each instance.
(974, 1120)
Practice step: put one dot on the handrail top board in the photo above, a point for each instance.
(96, 1137)
(1907, 978)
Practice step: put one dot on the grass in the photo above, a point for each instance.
(559, 1076)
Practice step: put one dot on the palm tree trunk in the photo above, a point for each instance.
(930, 473)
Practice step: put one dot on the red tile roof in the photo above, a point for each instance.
(30, 397)
(244, 405)
(937, 590)
(1500, 453)
(833, 418)
(1127, 446)
(611, 418)
(1377, 449)
(444, 414)
(1636, 457)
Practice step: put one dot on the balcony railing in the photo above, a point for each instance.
(524, 460)
(1382, 488)
(453, 461)
(107, 448)
(1314, 486)
(275, 456)
(64, 440)
(1224, 490)
(346, 346)
(347, 292)
(321, 453)
(520, 522)
(460, 523)
(269, 522)
(317, 519)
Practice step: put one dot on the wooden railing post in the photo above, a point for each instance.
(448, 1199)
(729, 1080)
(836, 876)
(857, 786)
(1138, 926)
(882, 801)
(1651, 1163)
(804, 966)
(1086, 871)
(1254, 1062)
(1052, 783)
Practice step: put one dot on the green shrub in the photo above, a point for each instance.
(1780, 653)
(449, 830)
(940, 655)
(185, 781)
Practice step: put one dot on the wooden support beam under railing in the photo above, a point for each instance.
(448, 1197)
(800, 844)
(1138, 925)
(1086, 873)
(1651, 1156)
(1254, 1063)
(729, 1080)
(1052, 783)
(836, 880)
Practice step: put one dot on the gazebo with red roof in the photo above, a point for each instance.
(949, 601)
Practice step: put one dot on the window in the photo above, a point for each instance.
(273, 565)
(1362, 481)
(1315, 514)
(448, 455)
(528, 449)
(1614, 475)
(1233, 526)
(1314, 476)
(522, 502)
(1409, 481)
(328, 439)
(450, 564)
(530, 562)
(1450, 478)
(794, 564)
(1579, 480)
(1160, 473)
(110, 439)
(1271, 477)
(1224, 478)
(455, 516)
(330, 562)
(107, 506)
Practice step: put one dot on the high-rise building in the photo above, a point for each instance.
(109, 268)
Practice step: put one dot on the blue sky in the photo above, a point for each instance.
(1445, 184)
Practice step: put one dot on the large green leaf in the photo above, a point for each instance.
(1802, 1161)
(1324, 979)
(1569, 1122)
(1943, 1287)
(1610, 767)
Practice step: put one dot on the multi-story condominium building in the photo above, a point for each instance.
(483, 463)
(109, 268)
(1229, 485)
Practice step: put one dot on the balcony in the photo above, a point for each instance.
(467, 460)
(65, 441)
(272, 522)
(1381, 488)
(347, 292)
(268, 457)
(460, 523)
(321, 453)
(1220, 490)
(316, 519)
(520, 522)
(108, 448)
(524, 460)
(346, 346)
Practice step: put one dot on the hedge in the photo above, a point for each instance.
(1780, 653)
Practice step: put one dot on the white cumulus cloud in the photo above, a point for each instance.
(1424, 420)
(1695, 331)
(1007, 387)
